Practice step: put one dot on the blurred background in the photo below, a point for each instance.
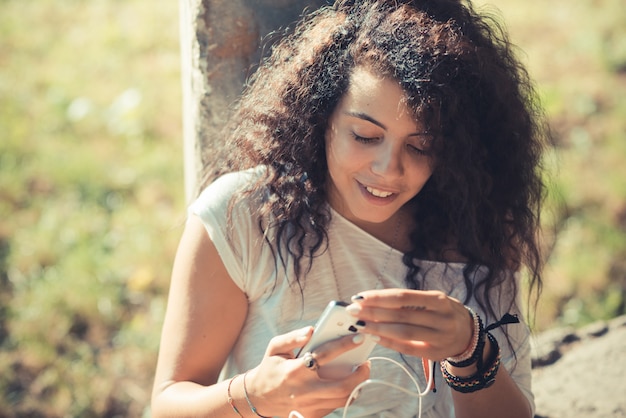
(92, 197)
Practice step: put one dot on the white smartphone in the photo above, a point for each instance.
(335, 322)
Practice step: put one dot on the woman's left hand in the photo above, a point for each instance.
(426, 324)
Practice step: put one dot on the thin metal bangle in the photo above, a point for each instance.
(231, 402)
(245, 392)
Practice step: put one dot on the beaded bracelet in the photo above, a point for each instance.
(484, 377)
(245, 392)
(231, 402)
(476, 346)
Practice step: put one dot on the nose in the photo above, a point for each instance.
(388, 161)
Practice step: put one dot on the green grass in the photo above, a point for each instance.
(91, 187)
(91, 200)
(577, 53)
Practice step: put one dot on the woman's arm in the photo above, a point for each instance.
(502, 399)
(205, 314)
(431, 325)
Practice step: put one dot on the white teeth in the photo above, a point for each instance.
(378, 193)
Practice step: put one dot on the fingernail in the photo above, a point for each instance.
(356, 298)
(360, 323)
(353, 309)
(358, 338)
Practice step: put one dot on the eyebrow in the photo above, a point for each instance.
(368, 118)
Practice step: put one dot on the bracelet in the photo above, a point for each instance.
(245, 392)
(231, 402)
(476, 345)
(484, 377)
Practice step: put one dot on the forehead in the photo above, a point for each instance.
(364, 81)
(374, 94)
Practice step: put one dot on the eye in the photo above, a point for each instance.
(416, 150)
(421, 146)
(362, 139)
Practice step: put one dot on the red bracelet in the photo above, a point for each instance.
(231, 402)
(469, 356)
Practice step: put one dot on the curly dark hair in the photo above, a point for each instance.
(461, 78)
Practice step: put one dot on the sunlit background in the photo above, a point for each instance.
(92, 194)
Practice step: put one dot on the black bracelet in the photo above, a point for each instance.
(484, 377)
(477, 354)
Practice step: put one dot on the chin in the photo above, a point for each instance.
(368, 216)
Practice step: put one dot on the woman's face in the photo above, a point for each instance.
(377, 152)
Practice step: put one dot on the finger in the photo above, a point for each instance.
(410, 306)
(402, 299)
(410, 347)
(286, 343)
(337, 388)
(438, 340)
(424, 317)
(330, 350)
(396, 331)
(326, 395)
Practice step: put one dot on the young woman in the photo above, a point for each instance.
(388, 153)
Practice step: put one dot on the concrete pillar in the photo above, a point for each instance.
(221, 44)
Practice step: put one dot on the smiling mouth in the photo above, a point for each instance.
(377, 192)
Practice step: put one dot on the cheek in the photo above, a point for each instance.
(339, 153)
(420, 175)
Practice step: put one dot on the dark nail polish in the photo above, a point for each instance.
(360, 323)
(356, 297)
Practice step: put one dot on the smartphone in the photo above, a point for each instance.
(335, 322)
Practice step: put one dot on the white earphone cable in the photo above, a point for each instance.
(418, 394)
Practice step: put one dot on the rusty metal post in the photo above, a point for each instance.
(220, 41)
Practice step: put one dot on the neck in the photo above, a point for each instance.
(393, 232)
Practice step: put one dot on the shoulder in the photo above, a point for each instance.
(235, 181)
(226, 189)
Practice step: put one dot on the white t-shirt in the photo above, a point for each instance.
(277, 305)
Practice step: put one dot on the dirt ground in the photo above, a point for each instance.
(580, 373)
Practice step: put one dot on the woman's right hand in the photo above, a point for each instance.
(282, 383)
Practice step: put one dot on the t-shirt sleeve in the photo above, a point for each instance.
(228, 217)
(519, 364)
(516, 356)
(515, 344)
